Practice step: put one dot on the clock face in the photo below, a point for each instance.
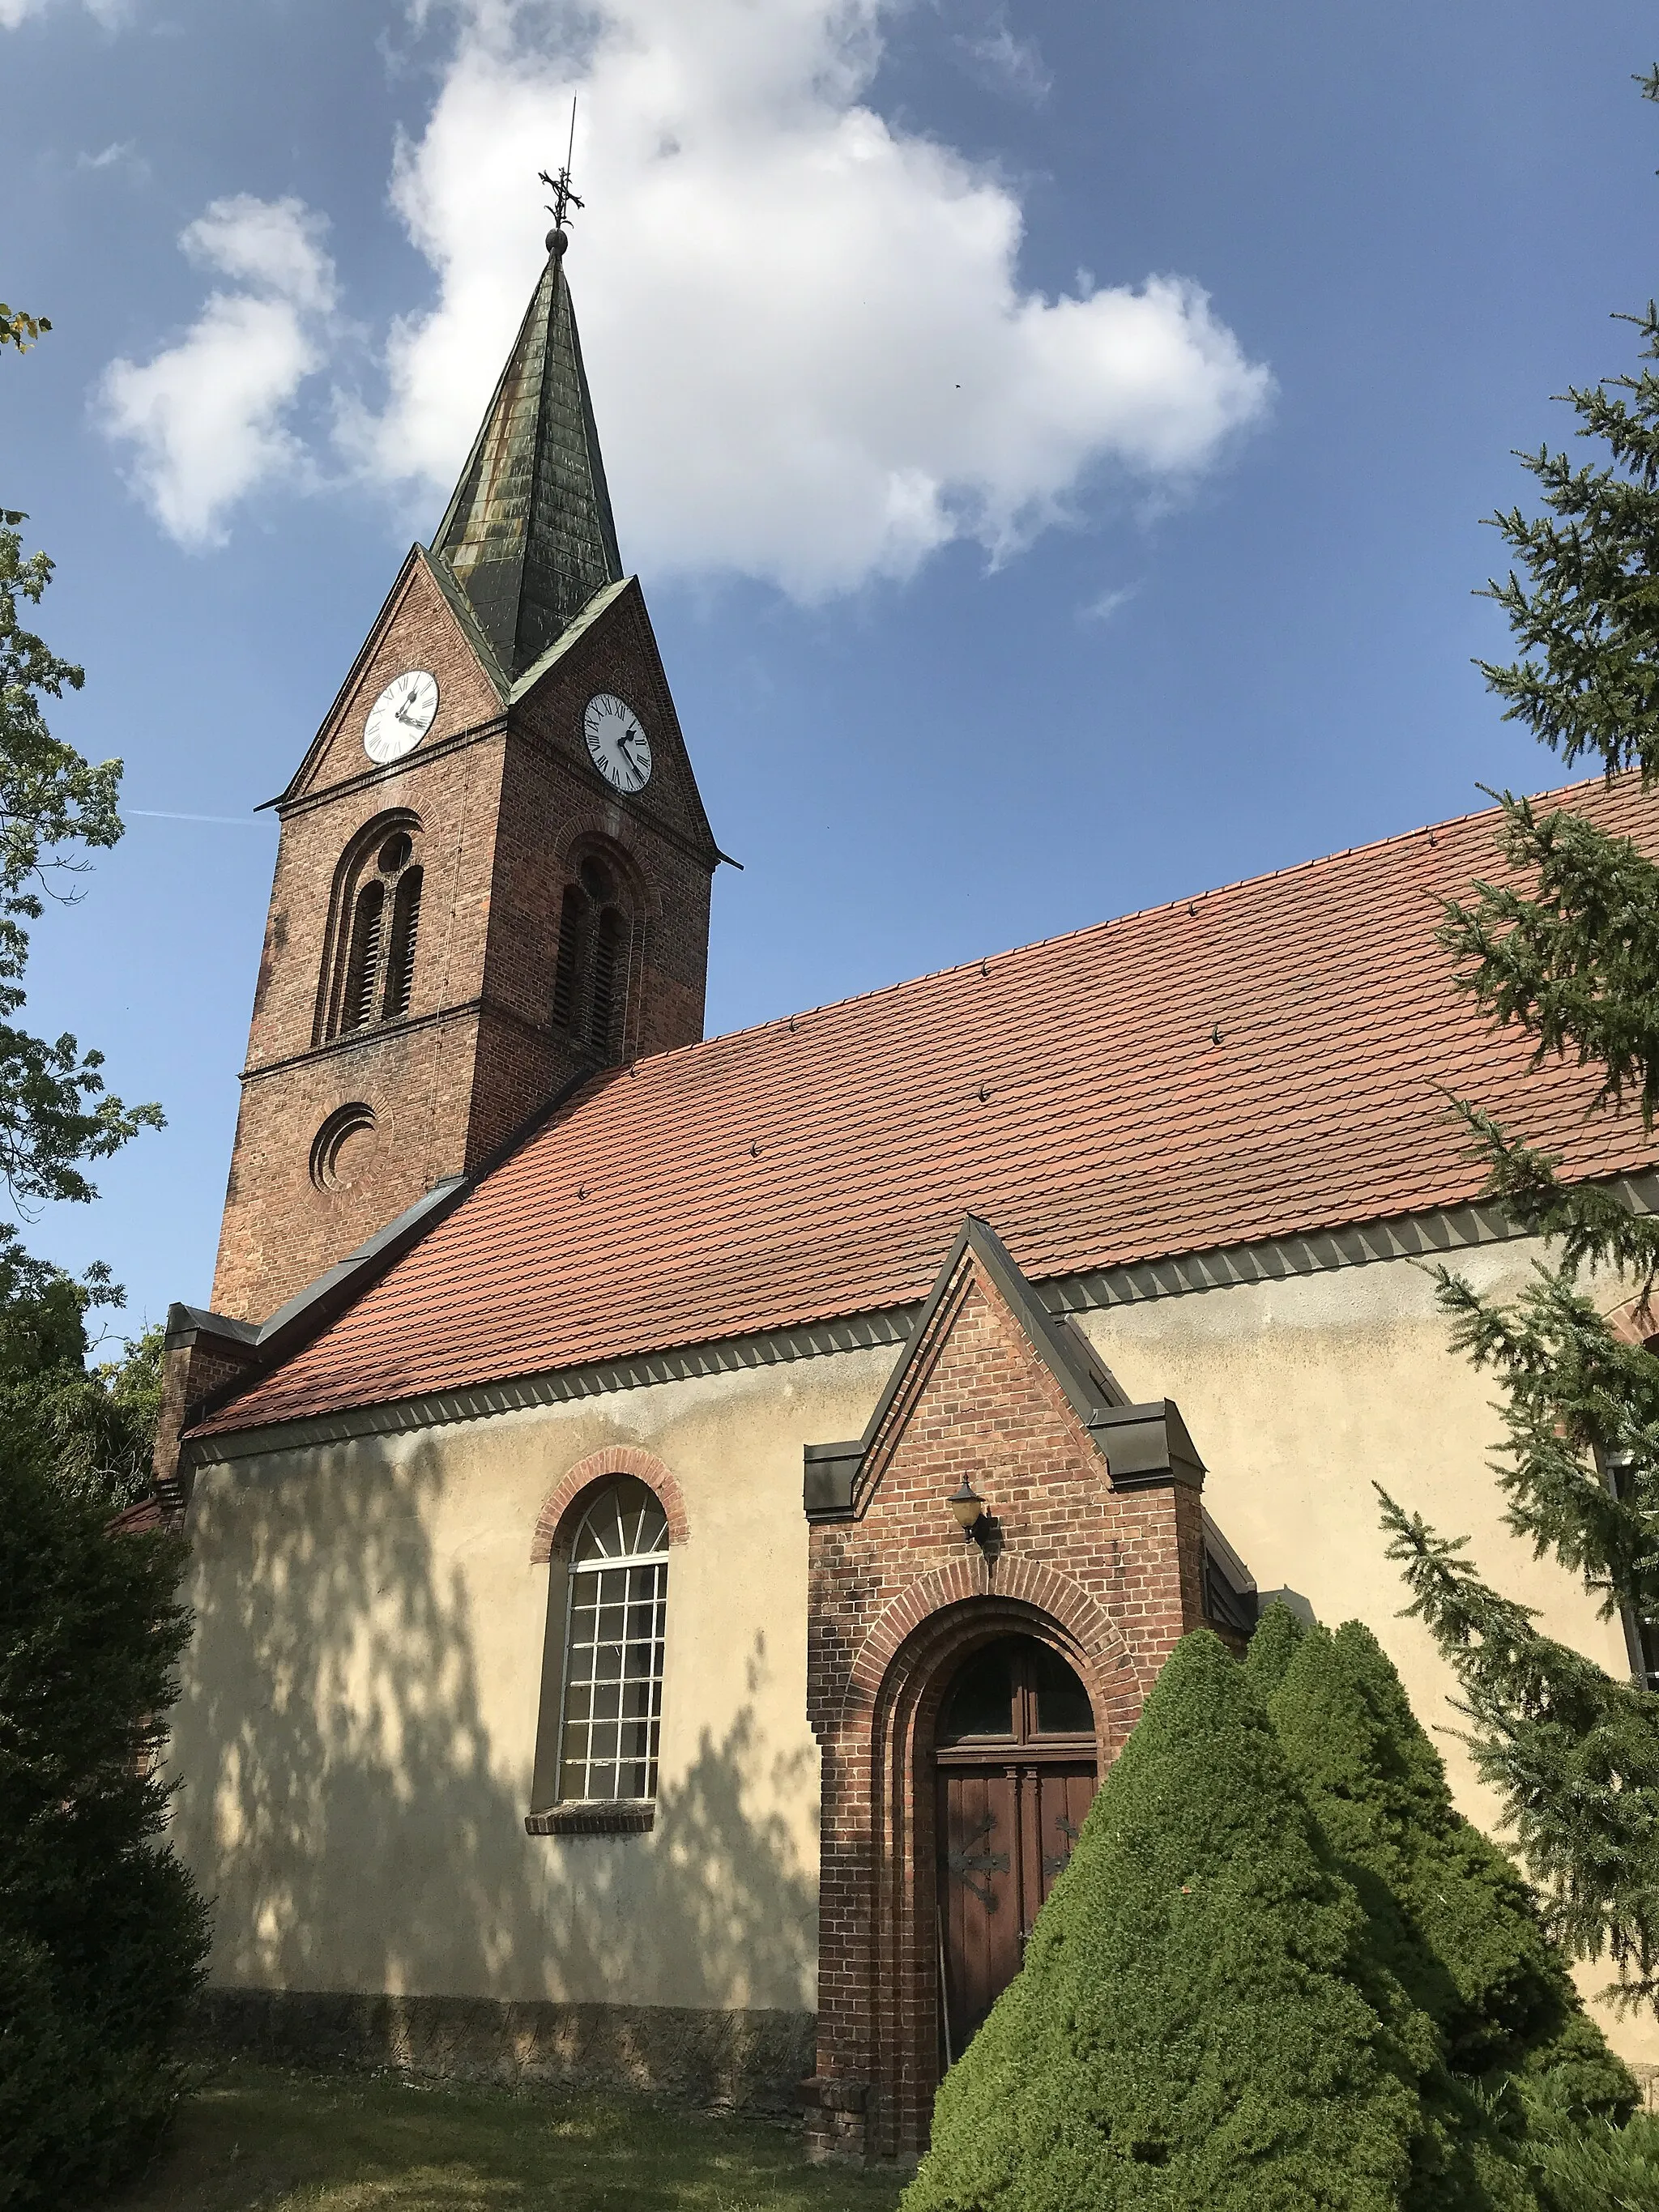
(621, 750)
(401, 716)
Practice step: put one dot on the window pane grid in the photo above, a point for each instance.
(612, 1715)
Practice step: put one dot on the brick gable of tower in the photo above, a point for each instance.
(418, 627)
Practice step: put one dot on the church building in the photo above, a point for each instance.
(680, 1525)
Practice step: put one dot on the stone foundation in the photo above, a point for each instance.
(747, 2061)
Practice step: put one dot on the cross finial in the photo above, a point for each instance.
(564, 197)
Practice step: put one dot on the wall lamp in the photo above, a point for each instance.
(969, 1509)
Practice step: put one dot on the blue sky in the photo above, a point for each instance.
(1053, 439)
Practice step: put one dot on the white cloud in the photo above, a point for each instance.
(207, 419)
(109, 13)
(1006, 63)
(812, 358)
(1104, 608)
(277, 244)
(124, 155)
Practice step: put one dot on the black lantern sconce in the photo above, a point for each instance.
(968, 1507)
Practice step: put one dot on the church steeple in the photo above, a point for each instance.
(529, 536)
(504, 754)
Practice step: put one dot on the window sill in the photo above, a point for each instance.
(628, 1816)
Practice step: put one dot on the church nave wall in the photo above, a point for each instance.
(358, 1729)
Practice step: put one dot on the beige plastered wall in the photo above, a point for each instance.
(1301, 1393)
(357, 1733)
(357, 1736)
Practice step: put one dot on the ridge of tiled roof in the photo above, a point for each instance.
(1070, 1092)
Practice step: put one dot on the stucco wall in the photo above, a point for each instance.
(1299, 1395)
(357, 1731)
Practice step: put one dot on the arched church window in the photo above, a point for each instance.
(616, 1614)
(378, 908)
(1014, 1690)
(591, 969)
(363, 968)
(405, 929)
(608, 955)
(567, 973)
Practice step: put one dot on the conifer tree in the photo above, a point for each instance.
(1195, 2023)
(1567, 951)
(1271, 1648)
(1459, 1924)
(102, 1934)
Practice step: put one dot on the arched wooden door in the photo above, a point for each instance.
(1016, 1772)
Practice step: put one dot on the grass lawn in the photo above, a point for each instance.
(283, 2140)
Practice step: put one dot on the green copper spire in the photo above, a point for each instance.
(528, 536)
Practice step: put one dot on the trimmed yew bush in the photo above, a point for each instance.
(1454, 1916)
(1198, 2021)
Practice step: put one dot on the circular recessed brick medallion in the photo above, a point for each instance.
(343, 1147)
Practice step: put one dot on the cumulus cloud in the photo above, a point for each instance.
(206, 420)
(812, 359)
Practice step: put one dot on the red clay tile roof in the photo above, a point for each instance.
(1070, 1093)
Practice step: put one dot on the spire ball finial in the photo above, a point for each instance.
(556, 241)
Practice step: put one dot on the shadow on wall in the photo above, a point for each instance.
(343, 1806)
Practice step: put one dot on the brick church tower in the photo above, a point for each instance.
(494, 871)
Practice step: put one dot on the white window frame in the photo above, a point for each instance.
(630, 1564)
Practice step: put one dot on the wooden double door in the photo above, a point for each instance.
(1015, 1772)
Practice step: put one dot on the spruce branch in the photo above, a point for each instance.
(1570, 962)
(1573, 1755)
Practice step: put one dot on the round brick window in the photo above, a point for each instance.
(343, 1147)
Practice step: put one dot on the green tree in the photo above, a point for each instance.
(93, 1426)
(55, 807)
(102, 1935)
(1567, 952)
(1201, 2019)
(1460, 1929)
(19, 328)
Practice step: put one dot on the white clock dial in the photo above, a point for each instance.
(401, 716)
(616, 739)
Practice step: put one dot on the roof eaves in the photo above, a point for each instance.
(315, 1308)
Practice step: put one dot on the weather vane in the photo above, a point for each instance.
(564, 198)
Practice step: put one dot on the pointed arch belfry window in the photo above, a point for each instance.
(568, 970)
(371, 974)
(363, 966)
(593, 964)
(405, 933)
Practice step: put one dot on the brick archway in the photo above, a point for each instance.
(878, 1971)
(569, 1495)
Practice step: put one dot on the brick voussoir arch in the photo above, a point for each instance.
(600, 1467)
(1019, 1581)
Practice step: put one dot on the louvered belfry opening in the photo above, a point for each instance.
(377, 937)
(591, 971)
(568, 970)
(363, 971)
(608, 975)
(405, 930)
